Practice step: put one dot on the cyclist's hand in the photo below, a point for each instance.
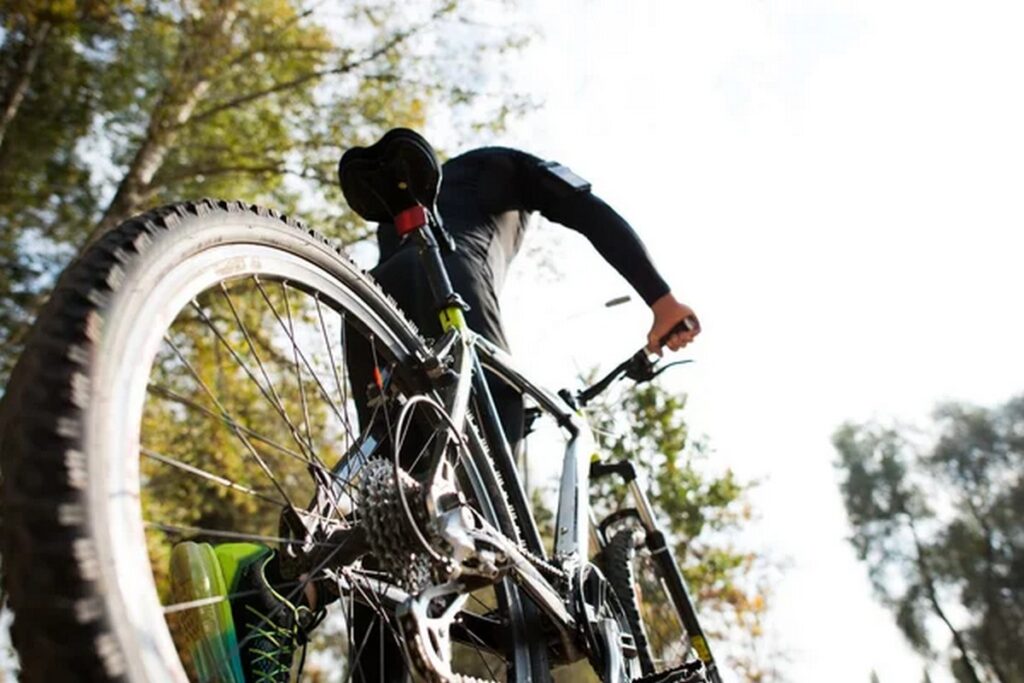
(668, 312)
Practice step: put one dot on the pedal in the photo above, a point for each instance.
(692, 672)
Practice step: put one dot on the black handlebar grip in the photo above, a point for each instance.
(687, 324)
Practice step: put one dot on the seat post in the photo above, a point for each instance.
(449, 304)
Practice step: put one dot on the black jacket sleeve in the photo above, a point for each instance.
(585, 213)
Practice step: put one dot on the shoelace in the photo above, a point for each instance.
(269, 665)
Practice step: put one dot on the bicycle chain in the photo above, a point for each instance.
(545, 567)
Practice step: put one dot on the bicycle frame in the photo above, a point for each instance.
(466, 353)
(464, 350)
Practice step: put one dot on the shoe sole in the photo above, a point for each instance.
(203, 630)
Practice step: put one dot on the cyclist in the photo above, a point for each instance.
(486, 203)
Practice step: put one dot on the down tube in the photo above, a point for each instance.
(572, 524)
(573, 518)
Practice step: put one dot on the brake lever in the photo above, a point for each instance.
(640, 367)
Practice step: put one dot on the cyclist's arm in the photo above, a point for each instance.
(571, 204)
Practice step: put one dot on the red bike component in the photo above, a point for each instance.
(413, 218)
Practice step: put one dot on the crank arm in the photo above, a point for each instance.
(387, 598)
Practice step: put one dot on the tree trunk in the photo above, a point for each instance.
(161, 133)
(21, 76)
(187, 85)
(933, 599)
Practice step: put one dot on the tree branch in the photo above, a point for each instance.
(245, 54)
(396, 40)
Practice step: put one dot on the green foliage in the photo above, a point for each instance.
(940, 526)
(130, 104)
(53, 82)
(701, 509)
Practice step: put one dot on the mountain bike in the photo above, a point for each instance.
(187, 380)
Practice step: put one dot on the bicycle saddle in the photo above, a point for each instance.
(393, 174)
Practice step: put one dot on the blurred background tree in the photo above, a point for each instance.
(939, 522)
(110, 108)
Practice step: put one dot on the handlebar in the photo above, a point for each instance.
(640, 367)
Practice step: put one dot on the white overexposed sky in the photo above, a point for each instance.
(835, 187)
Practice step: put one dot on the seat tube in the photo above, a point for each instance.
(532, 660)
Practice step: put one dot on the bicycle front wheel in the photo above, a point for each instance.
(189, 380)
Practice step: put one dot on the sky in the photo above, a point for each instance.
(835, 188)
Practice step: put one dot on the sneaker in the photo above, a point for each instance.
(253, 636)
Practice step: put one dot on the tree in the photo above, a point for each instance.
(940, 525)
(702, 510)
(53, 81)
(153, 101)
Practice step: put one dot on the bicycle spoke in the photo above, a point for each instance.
(245, 441)
(298, 368)
(235, 486)
(480, 602)
(341, 339)
(178, 398)
(362, 647)
(213, 600)
(227, 483)
(480, 655)
(314, 462)
(346, 484)
(302, 356)
(334, 365)
(382, 617)
(186, 529)
(272, 397)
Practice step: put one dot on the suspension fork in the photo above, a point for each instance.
(654, 539)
